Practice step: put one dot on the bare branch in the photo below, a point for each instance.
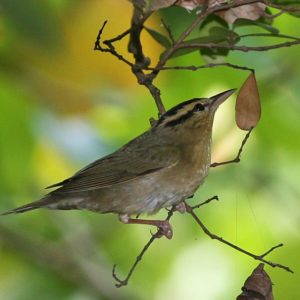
(237, 159)
(118, 37)
(135, 67)
(273, 35)
(123, 282)
(213, 236)
(210, 65)
(206, 202)
(110, 48)
(157, 235)
(242, 48)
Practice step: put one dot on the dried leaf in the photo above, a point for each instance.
(152, 5)
(257, 286)
(247, 108)
(189, 4)
(158, 4)
(249, 11)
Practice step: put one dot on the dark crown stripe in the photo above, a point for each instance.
(180, 120)
(173, 111)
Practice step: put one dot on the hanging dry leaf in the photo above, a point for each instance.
(248, 11)
(257, 286)
(247, 107)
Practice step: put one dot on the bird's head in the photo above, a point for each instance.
(193, 114)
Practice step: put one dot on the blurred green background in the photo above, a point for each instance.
(63, 105)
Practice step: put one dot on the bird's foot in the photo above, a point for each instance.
(180, 207)
(164, 227)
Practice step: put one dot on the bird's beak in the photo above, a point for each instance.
(219, 99)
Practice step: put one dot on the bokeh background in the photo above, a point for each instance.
(63, 105)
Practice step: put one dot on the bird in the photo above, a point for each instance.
(160, 168)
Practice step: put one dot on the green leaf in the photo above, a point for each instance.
(246, 22)
(217, 35)
(212, 21)
(160, 38)
(181, 52)
(214, 54)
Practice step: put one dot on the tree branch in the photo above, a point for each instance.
(261, 258)
(210, 65)
(237, 48)
(123, 282)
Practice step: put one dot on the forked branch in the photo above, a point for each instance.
(237, 159)
(261, 257)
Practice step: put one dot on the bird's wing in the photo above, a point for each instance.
(123, 165)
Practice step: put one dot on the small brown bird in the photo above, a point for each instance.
(160, 168)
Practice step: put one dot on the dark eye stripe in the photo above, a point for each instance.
(198, 107)
(173, 111)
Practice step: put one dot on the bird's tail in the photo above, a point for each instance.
(27, 207)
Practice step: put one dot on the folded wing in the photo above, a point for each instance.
(126, 164)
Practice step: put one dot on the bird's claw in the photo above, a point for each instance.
(180, 207)
(164, 229)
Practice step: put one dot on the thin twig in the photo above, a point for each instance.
(110, 48)
(275, 35)
(284, 8)
(210, 65)
(123, 282)
(237, 159)
(213, 236)
(206, 202)
(118, 37)
(242, 48)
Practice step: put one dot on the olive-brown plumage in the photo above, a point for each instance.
(160, 168)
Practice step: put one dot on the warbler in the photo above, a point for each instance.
(160, 168)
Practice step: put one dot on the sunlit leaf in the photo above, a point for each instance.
(247, 108)
(212, 21)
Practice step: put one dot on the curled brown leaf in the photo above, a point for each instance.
(257, 286)
(249, 12)
(247, 108)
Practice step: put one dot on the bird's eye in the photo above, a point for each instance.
(198, 107)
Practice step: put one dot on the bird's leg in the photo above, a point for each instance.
(163, 225)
